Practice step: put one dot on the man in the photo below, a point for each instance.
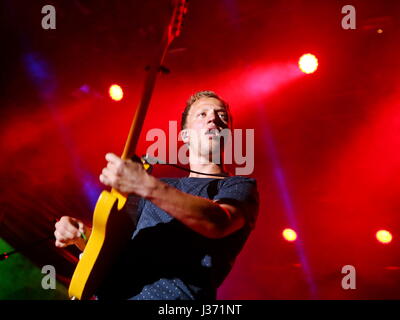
(188, 230)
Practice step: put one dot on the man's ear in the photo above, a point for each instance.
(184, 135)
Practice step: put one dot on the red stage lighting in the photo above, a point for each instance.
(289, 235)
(308, 63)
(116, 92)
(384, 236)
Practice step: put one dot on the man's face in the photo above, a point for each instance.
(206, 118)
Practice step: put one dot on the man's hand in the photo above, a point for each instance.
(69, 231)
(125, 176)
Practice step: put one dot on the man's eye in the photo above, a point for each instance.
(202, 114)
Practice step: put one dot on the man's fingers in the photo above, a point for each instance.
(105, 177)
(115, 164)
(65, 235)
(71, 229)
(82, 227)
(56, 234)
(114, 159)
(68, 231)
(70, 225)
(112, 167)
(107, 173)
(69, 235)
(60, 244)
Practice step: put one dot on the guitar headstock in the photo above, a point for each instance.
(174, 28)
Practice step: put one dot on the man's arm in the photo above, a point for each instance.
(207, 217)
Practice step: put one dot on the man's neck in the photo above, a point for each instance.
(204, 166)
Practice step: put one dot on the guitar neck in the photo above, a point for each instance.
(170, 33)
(141, 110)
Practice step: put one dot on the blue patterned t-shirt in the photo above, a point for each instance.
(166, 260)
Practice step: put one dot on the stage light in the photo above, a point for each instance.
(116, 92)
(289, 235)
(384, 236)
(308, 63)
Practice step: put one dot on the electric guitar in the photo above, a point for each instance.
(112, 227)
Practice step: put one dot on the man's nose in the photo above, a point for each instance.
(212, 117)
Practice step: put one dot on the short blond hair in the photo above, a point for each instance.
(197, 96)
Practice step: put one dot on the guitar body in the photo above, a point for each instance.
(112, 229)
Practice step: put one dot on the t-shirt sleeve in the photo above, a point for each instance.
(240, 191)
